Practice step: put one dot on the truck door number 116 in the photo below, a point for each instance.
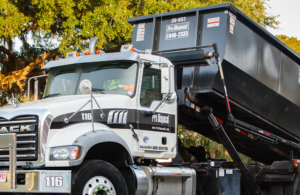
(86, 116)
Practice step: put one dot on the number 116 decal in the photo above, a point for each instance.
(54, 181)
(86, 116)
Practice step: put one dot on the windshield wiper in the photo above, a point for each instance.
(51, 95)
(100, 90)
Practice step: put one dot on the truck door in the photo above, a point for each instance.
(157, 130)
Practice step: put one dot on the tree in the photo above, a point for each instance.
(292, 42)
(73, 23)
(215, 150)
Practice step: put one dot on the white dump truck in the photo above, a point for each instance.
(107, 123)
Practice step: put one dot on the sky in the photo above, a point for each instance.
(289, 17)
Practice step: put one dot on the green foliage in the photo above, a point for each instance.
(216, 150)
(292, 42)
(257, 10)
(11, 20)
(75, 21)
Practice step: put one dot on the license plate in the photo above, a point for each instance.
(2, 177)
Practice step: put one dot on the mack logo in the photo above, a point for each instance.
(158, 118)
(15, 128)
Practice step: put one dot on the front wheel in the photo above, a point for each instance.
(97, 177)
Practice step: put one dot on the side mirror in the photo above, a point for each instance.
(166, 82)
(85, 86)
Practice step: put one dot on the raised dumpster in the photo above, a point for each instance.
(262, 74)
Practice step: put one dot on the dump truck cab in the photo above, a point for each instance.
(128, 92)
(130, 112)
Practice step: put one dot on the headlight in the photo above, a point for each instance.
(65, 153)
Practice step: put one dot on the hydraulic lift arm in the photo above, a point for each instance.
(226, 142)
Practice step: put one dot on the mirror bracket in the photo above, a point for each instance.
(28, 85)
(86, 88)
(167, 79)
(171, 98)
(147, 64)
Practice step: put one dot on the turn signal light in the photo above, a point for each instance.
(75, 154)
(87, 53)
(56, 58)
(77, 54)
(296, 165)
(97, 51)
(132, 49)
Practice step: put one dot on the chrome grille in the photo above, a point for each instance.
(26, 128)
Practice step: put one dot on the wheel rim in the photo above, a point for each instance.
(99, 186)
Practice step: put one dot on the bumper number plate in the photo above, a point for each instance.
(2, 177)
(55, 181)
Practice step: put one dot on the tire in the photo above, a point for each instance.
(277, 189)
(297, 184)
(289, 188)
(100, 176)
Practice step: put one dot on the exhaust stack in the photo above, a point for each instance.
(92, 46)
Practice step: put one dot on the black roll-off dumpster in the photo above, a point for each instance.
(262, 74)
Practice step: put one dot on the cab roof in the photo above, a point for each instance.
(124, 56)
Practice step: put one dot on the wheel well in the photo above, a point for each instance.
(111, 152)
(117, 155)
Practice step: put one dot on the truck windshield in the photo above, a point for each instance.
(107, 78)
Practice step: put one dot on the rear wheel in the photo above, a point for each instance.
(97, 177)
(293, 188)
(277, 189)
(289, 188)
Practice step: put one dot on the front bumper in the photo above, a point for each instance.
(30, 181)
(38, 181)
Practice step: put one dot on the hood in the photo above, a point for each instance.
(64, 104)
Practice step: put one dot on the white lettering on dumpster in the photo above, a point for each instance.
(177, 31)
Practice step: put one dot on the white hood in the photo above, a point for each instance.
(65, 104)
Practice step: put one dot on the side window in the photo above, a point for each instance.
(151, 84)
